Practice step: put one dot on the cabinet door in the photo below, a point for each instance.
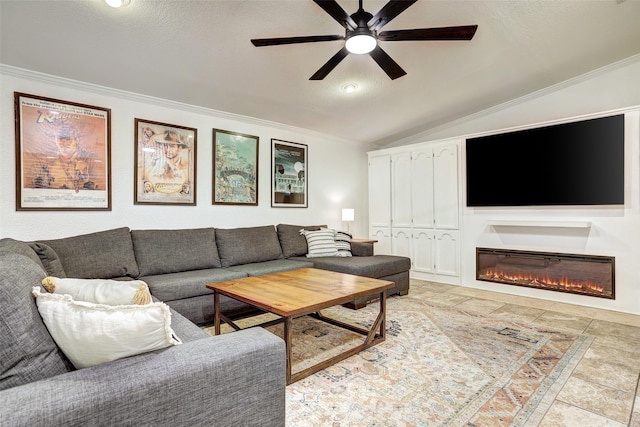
(422, 187)
(447, 249)
(423, 245)
(401, 242)
(445, 189)
(383, 236)
(401, 190)
(380, 191)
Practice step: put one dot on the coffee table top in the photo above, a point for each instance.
(301, 291)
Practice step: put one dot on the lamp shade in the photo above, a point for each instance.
(348, 215)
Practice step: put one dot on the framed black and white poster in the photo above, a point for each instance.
(289, 174)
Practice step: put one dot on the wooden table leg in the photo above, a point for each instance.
(287, 342)
(383, 312)
(216, 313)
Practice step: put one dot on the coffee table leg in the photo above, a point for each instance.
(383, 311)
(216, 312)
(287, 342)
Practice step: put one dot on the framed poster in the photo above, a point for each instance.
(165, 163)
(288, 174)
(235, 168)
(63, 159)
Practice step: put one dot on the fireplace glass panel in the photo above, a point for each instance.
(579, 274)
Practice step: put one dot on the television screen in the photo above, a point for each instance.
(579, 163)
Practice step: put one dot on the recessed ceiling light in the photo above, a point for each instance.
(117, 3)
(349, 87)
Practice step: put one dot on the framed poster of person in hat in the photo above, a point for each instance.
(165, 163)
(63, 159)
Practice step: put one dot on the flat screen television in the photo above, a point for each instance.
(579, 163)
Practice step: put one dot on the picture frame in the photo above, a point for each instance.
(63, 154)
(289, 174)
(165, 163)
(235, 168)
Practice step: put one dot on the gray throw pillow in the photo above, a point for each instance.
(49, 259)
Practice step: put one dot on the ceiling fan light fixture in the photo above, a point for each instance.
(117, 3)
(360, 41)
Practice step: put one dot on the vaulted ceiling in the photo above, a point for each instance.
(199, 53)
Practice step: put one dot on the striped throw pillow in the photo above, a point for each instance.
(343, 243)
(320, 243)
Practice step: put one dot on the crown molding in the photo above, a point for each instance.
(137, 97)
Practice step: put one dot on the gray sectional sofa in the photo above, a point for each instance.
(232, 379)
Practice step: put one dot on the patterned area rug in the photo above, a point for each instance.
(439, 366)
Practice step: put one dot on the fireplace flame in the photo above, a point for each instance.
(541, 281)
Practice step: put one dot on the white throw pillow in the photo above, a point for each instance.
(343, 243)
(90, 334)
(320, 243)
(100, 291)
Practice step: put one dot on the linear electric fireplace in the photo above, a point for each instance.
(578, 274)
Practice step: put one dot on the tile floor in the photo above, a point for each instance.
(603, 389)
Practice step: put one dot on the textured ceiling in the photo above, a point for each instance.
(199, 53)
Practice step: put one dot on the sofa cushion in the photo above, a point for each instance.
(12, 246)
(266, 267)
(375, 266)
(100, 291)
(291, 241)
(49, 259)
(90, 334)
(27, 351)
(172, 251)
(246, 245)
(101, 255)
(320, 243)
(187, 284)
(343, 243)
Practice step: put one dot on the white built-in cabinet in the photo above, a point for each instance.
(414, 207)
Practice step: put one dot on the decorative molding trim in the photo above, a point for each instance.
(137, 97)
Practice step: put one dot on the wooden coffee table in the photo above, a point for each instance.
(302, 292)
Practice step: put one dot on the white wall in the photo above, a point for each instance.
(614, 231)
(336, 168)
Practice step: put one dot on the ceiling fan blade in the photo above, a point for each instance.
(385, 62)
(388, 12)
(465, 32)
(330, 64)
(292, 40)
(337, 13)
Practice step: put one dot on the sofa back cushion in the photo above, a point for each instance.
(12, 246)
(292, 242)
(173, 251)
(101, 255)
(247, 245)
(27, 351)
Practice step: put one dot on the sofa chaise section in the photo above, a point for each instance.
(195, 383)
(362, 263)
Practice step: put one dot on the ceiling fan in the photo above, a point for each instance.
(362, 35)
